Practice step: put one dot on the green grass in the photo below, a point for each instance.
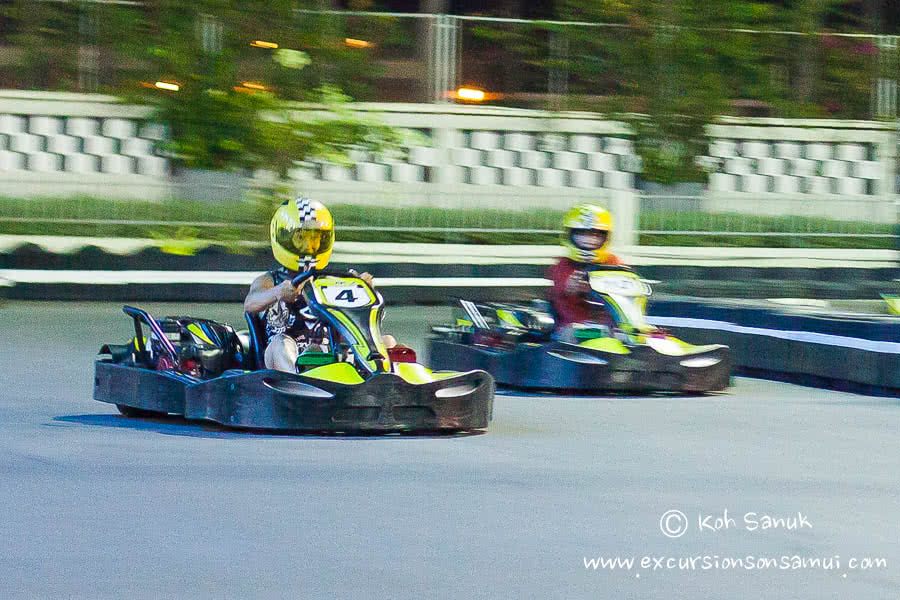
(763, 241)
(753, 226)
(248, 221)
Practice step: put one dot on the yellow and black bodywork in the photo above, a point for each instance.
(225, 381)
(521, 347)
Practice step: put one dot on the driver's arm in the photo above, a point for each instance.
(264, 293)
(367, 277)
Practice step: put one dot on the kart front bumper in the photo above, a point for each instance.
(563, 366)
(276, 400)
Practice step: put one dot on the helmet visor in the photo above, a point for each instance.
(588, 239)
(304, 241)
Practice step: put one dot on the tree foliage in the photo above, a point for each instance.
(40, 30)
(666, 66)
(671, 67)
(230, 111)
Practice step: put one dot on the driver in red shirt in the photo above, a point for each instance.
(587, 228)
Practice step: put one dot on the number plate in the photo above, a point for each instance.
(624, 286)
(344, 293)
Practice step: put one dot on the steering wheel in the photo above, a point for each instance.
(296, 281)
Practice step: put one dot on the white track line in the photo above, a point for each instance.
(826, 339)
(241, 278)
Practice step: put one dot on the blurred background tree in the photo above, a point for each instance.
(671, 67)
(668, 67)
(238, 65)
(815, 72)
(678, 63)
(37, 38)
(212, 68)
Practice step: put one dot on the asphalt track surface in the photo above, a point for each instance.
(94, 505)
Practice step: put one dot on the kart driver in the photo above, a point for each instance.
(302, 236)
(586, 232)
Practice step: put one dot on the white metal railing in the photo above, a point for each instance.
(859, 221)
(771, 216)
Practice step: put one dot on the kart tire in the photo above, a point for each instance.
(140, 413)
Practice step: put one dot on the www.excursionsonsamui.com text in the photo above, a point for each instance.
(714, 562)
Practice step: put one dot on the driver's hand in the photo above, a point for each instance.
(577, 283)
(288, 292)
(367, 277)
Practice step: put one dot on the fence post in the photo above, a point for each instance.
(557, 76)
(887, 155)
(443, 57)
(894, 184)
(885, 90)
(625, 205)
(445, 172)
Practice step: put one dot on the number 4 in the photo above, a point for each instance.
(346, 295)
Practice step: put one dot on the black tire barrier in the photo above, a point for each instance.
(709, 282)
(848, 352)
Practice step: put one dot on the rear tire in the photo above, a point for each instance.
(139, 413)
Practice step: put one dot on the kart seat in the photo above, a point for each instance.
(256, 352)
(120, 353)
(243, 336)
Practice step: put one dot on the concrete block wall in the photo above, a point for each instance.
(60, 144)
(484, 150)
(44, 132)
(69, 144)
(818, 157)
(40, 143)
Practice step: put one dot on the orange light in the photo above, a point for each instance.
(167, 85)
(470, 94)
(253, 86)
(262, 44)
(354, 43)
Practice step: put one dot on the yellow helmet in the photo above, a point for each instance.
(302, 231)
(586, 230)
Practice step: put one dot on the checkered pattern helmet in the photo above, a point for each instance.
(587, 218)
(302, 234)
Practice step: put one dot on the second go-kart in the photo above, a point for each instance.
(206, 370)
(521, 346)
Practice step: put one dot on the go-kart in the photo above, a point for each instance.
(201, 369)
(521, 347)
